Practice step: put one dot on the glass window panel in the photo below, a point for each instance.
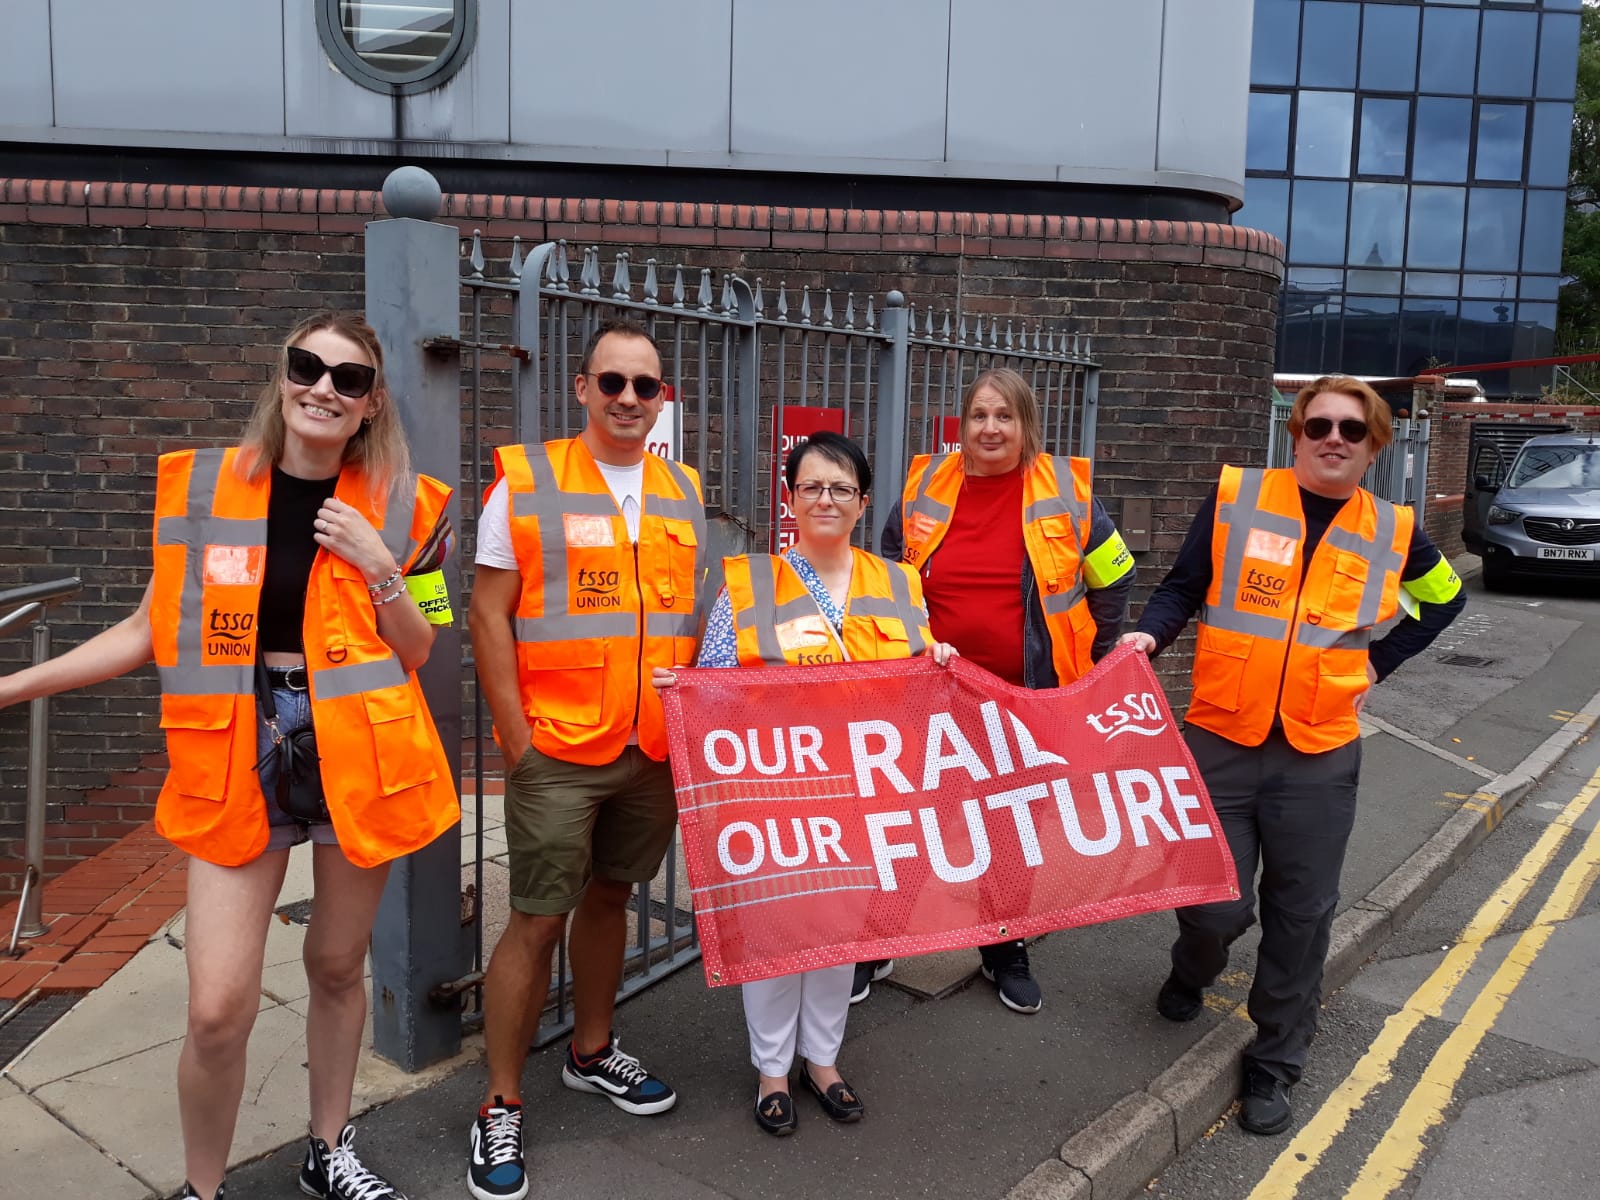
(1444, 129)
(1316, 279)
(1385, 126)
(1266, 207)
(1540, 287)
(1494, 229)
(1317, 222)
(1268, 148)
(1542, 229)
(1437, 215)
(1328, 44)
(1549, 145)
(1486, 335)
(1377, 226)
(1535, 337)
(1275, 42)
(1501, 130)
(1308, 331)
(1322, 133)
(1427, 334)
(1498, 286)
(1389, 48)
(1558, 55)
(1505, 66)
(1429, 283)
(1449, 50)
(1572, 4)
(1370, 334)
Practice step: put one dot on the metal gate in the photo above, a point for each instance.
(744, 362)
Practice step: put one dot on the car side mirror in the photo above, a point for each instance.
(1484, 484)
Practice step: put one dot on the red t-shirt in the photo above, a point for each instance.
(973, 581)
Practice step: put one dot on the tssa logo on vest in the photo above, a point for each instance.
(1262, 589)
(596, 589)
(230, 634)
(1137, 712)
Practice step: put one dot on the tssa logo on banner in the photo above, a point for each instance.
(1136, 712)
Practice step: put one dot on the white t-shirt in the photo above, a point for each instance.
(494, 523)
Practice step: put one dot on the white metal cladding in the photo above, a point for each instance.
(1138, 93)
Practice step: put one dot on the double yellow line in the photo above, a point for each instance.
(1387, 1166)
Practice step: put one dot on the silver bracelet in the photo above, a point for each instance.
(391, 597)
(375, 588)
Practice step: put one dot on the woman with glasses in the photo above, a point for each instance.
(800, 608)
(304, 565)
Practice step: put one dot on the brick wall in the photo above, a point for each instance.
(136, 319)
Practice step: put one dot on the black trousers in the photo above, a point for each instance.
(1290, 813)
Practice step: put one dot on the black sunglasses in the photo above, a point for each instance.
(349, 379)
(1350, 429)
(612, 383)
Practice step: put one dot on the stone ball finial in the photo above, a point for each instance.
(412, 192)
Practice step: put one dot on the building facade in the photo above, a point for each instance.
(1413, 157)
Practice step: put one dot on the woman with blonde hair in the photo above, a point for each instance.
(297, 581)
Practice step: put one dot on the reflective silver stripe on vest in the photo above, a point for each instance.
(925, 504)
(1332, 639)
(351, 679)
(900, 608)
(1241, 516)
(1060, 602)
(399, 508)
(763, 615)
(1064, 503)
(1381, 558)
(672, 624)
(197, 529)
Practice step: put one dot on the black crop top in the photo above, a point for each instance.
(291, 547)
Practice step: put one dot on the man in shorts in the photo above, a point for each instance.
(589, 564)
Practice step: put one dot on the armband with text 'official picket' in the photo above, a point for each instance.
(1107, 562)
(432, 597)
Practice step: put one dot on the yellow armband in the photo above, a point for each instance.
(1439, 586)
(1107, 562)
(432, 597)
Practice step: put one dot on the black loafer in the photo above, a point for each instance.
(775, 1113)
(1264, 1103)
(839, 1101)
(1178, 1003)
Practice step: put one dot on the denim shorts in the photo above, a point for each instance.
(294, 712)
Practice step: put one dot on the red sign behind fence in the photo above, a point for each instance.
(840, 813)
(792, 425)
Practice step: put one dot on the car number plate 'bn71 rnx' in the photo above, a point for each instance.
(1567, 553)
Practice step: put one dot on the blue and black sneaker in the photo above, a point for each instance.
(619, 1078)
(495, 1171)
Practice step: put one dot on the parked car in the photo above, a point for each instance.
(1544, 518)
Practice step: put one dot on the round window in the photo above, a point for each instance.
(398, 46)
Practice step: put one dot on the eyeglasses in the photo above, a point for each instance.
(1350, 429)
(612, 383)
(839, 493)
(349, 379)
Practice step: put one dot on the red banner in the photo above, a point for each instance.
(839, 813)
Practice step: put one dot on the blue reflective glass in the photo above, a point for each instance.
(1449, 50)
(1328, 44)
(1427, 334)
(1377, 225)
(1275, 42)
(1505, 66)
(1385, 126)
(1308, 331)
(1549, 145)
(1322, 133)
(1485, 335)
(1540, 287)
(1558, 56)
(1572, 4)
(1371, 334)
(1542, 228)
(1437, 216)
(1444, 129)
(1266, 207)
(1498, 286)
(1432, 283)
(1268, 145)
(1317, 222)
(1501, 130)
(1389, 48)
(1494, 229)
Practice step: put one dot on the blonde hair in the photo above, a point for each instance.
(1380, 425)
(378, 447)
(1019, 398)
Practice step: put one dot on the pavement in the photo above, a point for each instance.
(1087, 1100)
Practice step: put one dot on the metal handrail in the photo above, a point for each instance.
(32, 599)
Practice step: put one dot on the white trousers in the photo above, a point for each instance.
(798, 1014)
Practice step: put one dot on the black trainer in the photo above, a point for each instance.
(867, 974)
(494, 1169)
(1006, 966)
(1264, 1102)
(337, 1174)
(619, 1078)
(1176, 1002)
(189, 1193)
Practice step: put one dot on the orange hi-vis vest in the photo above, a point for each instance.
(384, 773)
(1056, 514)
(597, 611)
(1282, 638)
(776, 620)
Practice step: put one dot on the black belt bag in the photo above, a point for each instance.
(299, 791)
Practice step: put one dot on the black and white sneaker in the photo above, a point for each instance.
(189, 1193)
(619, 1078)
(1006, 966)
(337, 1174)
(867, 974)
(495, 1170)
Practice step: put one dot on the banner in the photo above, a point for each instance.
(840, 813)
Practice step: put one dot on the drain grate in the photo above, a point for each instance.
(1467, 660)
(26, 1027)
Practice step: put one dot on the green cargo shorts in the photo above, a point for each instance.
(566, 822)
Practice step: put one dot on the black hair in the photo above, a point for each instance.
(837, 449)
(620, 325)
